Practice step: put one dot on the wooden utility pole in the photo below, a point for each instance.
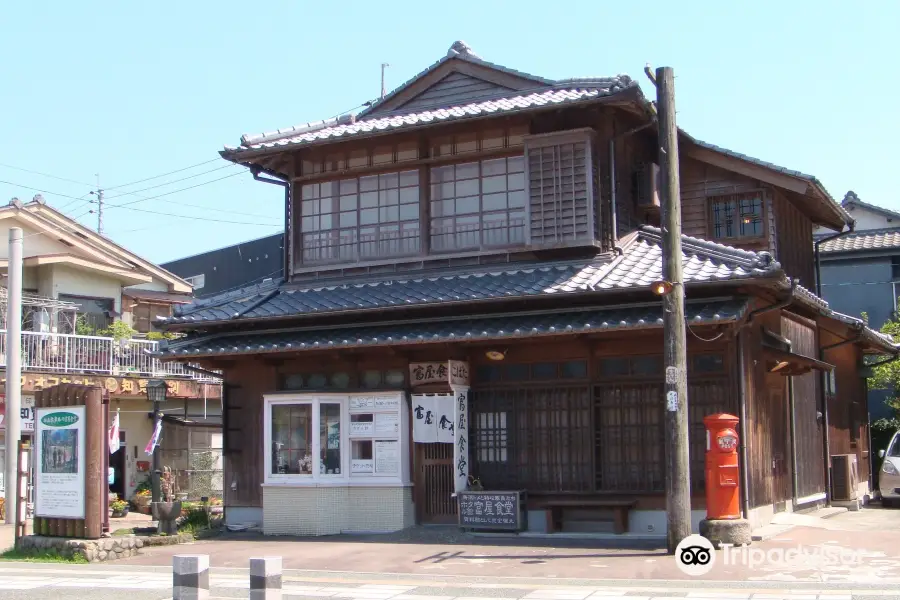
(678, 474)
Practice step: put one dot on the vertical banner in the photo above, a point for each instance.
(461, 441)
(446, 419)
(60, 443)
(424, 422)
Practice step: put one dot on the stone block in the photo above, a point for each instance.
(734, 532)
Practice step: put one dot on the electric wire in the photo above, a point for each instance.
(121, 185)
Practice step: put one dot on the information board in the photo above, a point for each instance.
(490, 510)
(60, 472)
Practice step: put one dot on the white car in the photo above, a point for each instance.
(889, 477)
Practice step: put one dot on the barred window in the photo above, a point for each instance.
(738, 216)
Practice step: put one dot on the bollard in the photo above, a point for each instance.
(190, 577)
(265, 578)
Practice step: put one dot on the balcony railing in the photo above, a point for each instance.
(65, 353)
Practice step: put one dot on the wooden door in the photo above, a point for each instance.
(434, 484)
(779, 438)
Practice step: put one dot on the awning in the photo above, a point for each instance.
(450, 329)
(788, 363)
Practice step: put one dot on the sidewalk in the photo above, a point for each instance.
(427, 551)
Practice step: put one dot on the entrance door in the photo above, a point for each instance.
(117, 464)
(779, 439)
(434, 484)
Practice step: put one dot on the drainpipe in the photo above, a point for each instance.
(778, 305)
(286, 184)
(818, 258)
(742, 398)
(612, 180)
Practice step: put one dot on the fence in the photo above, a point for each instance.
(67, 353)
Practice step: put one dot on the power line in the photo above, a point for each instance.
(170, 182)
(175, 191)
(155, 212)
(115, 187)
(46, 175)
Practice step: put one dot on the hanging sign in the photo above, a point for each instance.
(424, 421)
(60, 465)
(461, 439)
(445, 418)
(122, 387)
(453, 372)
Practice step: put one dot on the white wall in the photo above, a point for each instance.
(865, 219)
(35, 243)
(67, 280)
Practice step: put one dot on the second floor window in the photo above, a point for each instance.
(478, 204)
(738, 216)
(360, 218)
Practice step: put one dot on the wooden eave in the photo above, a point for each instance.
(788, 363)
(131, 277)
(811, 199)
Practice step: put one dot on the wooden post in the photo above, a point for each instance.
(95, 449)
(678, 483)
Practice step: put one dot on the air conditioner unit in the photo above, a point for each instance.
(844, 477)
(647, 189)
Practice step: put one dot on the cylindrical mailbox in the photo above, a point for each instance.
(722, 470)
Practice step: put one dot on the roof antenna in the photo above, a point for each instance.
(383, 91)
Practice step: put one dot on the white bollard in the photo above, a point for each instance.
(265, 578)
(190, 577)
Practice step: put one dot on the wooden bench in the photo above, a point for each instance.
(619, 508)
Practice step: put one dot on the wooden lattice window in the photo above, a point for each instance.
(738, 216)
(561, 188)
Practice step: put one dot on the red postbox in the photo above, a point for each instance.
(722, 471)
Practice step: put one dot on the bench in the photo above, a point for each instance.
(619, 508)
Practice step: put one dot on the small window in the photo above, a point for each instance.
(292, 439)
(708, 363)
(371, 379)
(515, 372)
(574, 369)
(895, 267)
(488, 373)
(614, 367)
(197, 281)
(645, 366)
(738, 216)
(317, 381)
(544, 371)
(293, 382)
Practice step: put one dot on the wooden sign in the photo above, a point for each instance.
(490, 510)
(454, 372)
(121, 386)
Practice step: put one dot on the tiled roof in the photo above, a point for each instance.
(639, 265)
(851, 199)
(312, 132)
(858, 241)
(444, 330)
(881, 341)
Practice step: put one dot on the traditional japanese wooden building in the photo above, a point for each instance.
(507, 222)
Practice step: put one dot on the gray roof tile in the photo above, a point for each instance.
(475, 328)
(860, 241)
(639, 265)
(323, 130)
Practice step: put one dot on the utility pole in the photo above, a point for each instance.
(678, 474)
(13, 373)
(383, 89)
(99, 206)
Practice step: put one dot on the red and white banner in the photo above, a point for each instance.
(114, 435)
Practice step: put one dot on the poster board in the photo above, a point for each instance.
(60, 469)
(376, 423)
(490, 510)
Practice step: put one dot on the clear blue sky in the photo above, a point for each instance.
(133, 90)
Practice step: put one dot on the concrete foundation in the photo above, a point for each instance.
(735, 532)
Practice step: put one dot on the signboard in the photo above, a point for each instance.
(26, 414)
(490, 510)
(453, 372)
(362, 402)
(359, 465)
(362, 428)
(461, 439)
(387, 424)
(60, 470)
(121, 386)
(387, 402)
(387, 457)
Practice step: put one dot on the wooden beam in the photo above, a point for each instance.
(746, 168)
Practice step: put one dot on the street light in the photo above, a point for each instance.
(156, 393)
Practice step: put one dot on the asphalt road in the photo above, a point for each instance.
(23, 581)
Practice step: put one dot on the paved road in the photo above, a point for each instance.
(23, 581)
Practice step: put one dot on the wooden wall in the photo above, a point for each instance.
(847, 420)
(246, 382)
(794, 240)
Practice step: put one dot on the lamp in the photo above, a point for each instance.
(661, 287)
(156, 393)
(495, 354)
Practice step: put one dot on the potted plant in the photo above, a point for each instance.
(167, 511)
(119, 508)
(142, 497)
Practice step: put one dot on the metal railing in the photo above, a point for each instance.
(67, 353)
